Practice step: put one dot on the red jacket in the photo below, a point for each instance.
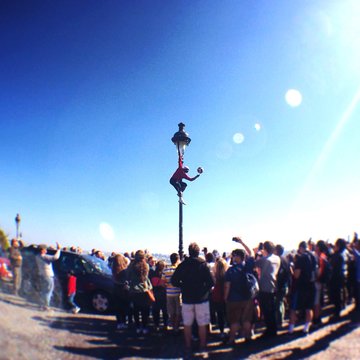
(71, 285)
(181, 174)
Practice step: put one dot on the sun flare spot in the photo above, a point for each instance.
(293, 97)
(106, 231)
(257, 127)
(238, 138)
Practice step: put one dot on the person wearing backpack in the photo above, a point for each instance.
(337, 281)
(268, 265)
(239, 303)
(283, 280)
(303, 296)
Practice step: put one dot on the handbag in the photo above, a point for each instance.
(150, 293)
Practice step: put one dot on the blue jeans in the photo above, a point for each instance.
(47, 291)
(71, 301)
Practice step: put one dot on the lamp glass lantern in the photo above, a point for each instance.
(181, 139)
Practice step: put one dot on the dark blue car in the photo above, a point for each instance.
(94, 280)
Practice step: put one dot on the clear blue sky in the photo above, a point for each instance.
(91, 93)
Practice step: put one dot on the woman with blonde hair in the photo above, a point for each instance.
(121, 290)
(218, 293)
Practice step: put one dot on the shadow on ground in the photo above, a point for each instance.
(111, 344)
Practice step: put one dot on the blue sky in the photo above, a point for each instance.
(92, 91)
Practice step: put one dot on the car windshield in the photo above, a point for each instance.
(96, 263)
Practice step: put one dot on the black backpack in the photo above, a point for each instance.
(249, 285)
(283, 277)
(309, 273)
(326, 275)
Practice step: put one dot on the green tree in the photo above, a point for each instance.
(4, 241)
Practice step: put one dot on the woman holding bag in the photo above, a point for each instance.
(140, 286)
(121, 290)
(159, 285)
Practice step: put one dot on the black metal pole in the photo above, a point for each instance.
(17, 222)
(181, 139)
(181, 251)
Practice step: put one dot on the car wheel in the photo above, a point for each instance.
(100, 302)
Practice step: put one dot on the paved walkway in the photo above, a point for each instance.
(27, 333)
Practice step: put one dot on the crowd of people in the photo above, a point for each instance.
(207, 291)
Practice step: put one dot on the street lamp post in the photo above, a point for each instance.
(17, 223)
(181, 140)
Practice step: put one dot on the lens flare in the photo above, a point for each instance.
(293, 97)
(238, 138)
(257, 127)
(106, 231)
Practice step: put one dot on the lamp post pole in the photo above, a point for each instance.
(17, 223)
(181, 140)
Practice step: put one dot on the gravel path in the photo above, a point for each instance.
(27, 333)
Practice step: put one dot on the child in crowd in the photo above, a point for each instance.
(71, 292)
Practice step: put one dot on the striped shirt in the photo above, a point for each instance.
(170, 289)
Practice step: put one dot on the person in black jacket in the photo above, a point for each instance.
(337, 280)
(283, 279)
(194, 279)
(303, 293)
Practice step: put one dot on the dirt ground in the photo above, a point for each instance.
(28, 333)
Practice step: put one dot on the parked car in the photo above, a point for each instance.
(94, 280)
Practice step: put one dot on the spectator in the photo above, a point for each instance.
(216, 254)
(283, 279)
(239, 305)
(111, 259)
(355, 250)
(46, 272)
(269, 265)
(71, 292)
(194, 278)
(99, 254)
(205, 251)
(218, 295)
(337, 281)
(158, 282)
(140, 284)
(152, 263)
(173, 293)
(127, 258)
(16, 263)
(321, 280)
(303, 294)
(210, 260)
(121, 290)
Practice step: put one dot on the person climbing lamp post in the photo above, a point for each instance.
(181, 140)
(17, 223)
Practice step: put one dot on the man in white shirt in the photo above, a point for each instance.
(46, 272)
(268, 265)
